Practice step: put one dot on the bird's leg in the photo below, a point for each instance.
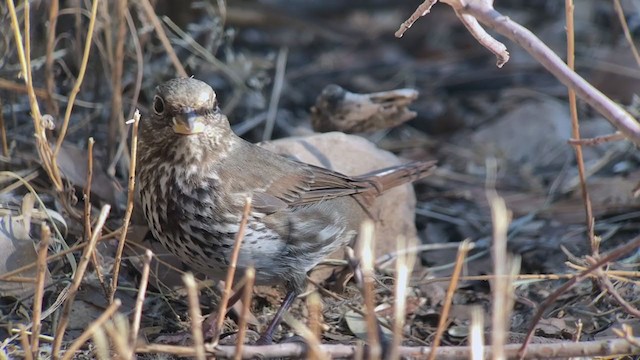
(267, 336)
(210, 323)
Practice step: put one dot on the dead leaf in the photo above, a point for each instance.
(73, 165)
(16, 250)
(358, 325)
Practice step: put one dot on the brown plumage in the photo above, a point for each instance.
(194, 174)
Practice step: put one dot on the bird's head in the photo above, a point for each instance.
(185, 113)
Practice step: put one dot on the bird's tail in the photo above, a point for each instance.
(388, 178)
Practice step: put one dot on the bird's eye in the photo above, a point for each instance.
(158, 105)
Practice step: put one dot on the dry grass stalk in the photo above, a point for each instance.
(368, 279)
(502, 297)
(476, 339)
(52, 105)
(575, 131)
(606, 285)
(626, 248)
(21, 88)
(90, 331)
(312, 343)
(314, 304)
(195, 314)
(208, 56)
(129, 209)
(87, 214)
(247, 289)
(404, 266)
(76, 86)
(625, 28)
(24, 341)
(151, 15)
(44, 150)
(281, 63)
(87, 192)
(226, 294)
(82, 266)
(43, 248)
(101, 343)
(578, 333)
(3, 134)
(115, 124)
(142, 290)
(118, 332)
(444, 314)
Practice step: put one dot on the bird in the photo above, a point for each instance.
(194, 175)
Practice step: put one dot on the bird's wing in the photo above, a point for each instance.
(306, 184)
(277, 183)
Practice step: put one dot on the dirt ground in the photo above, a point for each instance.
(490, 128)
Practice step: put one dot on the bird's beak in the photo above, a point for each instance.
(188, 122)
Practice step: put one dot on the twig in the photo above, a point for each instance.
(43, 248)
(82, 266)
(486, 40)
(422, 10)
(91, 329)
(76, 86)
(281, 64)
(444, 314)
(195, 314)
(618, 117)
(606, 285)
(575, 130)
(148, 9)
(607, 347)
(614, 254)
(247, 288)
(483, 11)
(598, 139)
(142, 290)
(228, 283)
(129, 210)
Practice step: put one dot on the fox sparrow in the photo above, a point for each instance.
(194, 175)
